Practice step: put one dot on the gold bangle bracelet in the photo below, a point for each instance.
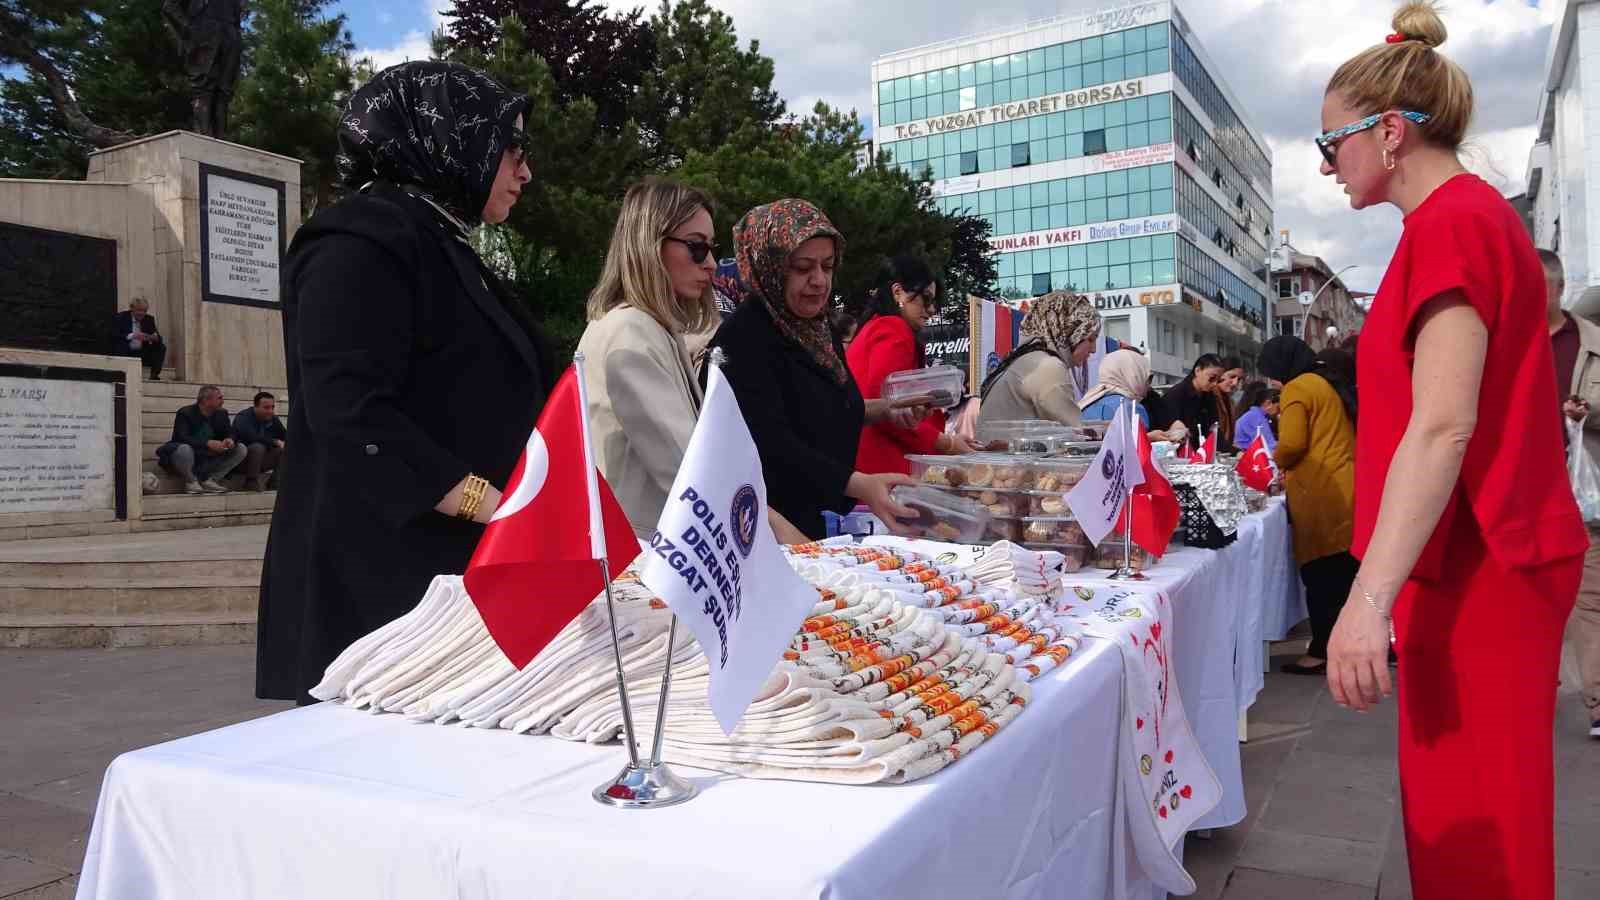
(472, 497)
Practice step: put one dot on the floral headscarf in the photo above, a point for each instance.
(1063, 320)
(438, 128)
(763, 240)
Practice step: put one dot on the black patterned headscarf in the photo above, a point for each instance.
(439, 128)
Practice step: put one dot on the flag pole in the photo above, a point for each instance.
(637, 786)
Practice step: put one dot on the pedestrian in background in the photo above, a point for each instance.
(1257, 412)
(1575, 344)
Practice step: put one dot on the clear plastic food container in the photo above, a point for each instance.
(1003, 528)
(1048, 503)
(1004, 471)
(937, 386)
(1075, 556)
(1072, 448)
(1031, 436)
(1053, 530)
(1059, 474)
(1012, 504)
(1109, 555)
(942, 515)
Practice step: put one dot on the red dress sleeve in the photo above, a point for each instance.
(1461, 251)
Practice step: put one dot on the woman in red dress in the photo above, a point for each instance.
(1464, 523)
(905, 298)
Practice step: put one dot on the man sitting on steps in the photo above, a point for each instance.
(262, 433)
(202, 451)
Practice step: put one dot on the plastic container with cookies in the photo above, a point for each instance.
(941, 515)
(1053, 530)
(936, 386)
(1058, 475)
(1002, 471)
(1011, 504)
(1048, 503)
(1109, 555)
(1004, 528)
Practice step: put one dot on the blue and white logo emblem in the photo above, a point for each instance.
(743, 516)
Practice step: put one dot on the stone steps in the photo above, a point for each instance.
(131, 590)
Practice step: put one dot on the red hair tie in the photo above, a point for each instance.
(1396, 38)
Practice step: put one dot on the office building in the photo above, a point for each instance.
(1563, 195)
(1110, 158)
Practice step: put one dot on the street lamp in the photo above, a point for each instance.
(1308, 300)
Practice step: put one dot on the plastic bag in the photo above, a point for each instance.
(1583, 473)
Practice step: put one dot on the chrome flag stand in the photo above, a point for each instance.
(640, 785)
(1127, 572)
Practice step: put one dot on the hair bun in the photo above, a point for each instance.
(1418, 20)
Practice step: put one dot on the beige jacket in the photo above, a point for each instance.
(1036, 386)
(643, 401)
(1586, 381)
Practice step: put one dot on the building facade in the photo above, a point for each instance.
(1109, 158)
(1563, 194)
(1333, 305)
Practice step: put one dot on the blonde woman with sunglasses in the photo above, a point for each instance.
(647, 315)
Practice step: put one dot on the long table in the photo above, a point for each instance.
(326, 801)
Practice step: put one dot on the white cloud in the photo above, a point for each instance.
(1275, 55)
(413, 45)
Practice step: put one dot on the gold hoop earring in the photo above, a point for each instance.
(1388, 160)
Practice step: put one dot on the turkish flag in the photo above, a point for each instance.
(535, 567)
(1255, 466)
(1155, 505)
(1208, 450)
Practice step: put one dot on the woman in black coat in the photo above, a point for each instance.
(415, 379)
(1193, 401)
(786, 367)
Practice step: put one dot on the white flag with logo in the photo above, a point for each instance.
(713, 549)
(1098, 500)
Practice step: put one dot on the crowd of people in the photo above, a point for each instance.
(1419, 524)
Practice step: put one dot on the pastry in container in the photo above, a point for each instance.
(1002, 528)
(1048, 503)
(936, 386)
(941, 515)
(1053, 530)
(1002, 471)
(1109, 555)
(1058, 474)
(1010, 504)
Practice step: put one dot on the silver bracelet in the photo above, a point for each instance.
(1373, 602)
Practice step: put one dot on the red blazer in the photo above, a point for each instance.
(884, 346)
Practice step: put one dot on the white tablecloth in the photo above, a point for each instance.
(331, 802)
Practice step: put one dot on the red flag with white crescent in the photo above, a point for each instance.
(1255, 466)
(535, 567)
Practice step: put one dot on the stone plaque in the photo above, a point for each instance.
(57, 446)
(241, 237)
(58, 291)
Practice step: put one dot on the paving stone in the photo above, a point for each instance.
(1330, 811)
(1256, 884)
(65, 889)
(1577, 884)
(18, 874)
(1310, 765)
(1310, 856)
(1578, 847)
(42, 832)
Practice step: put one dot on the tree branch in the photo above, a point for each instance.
(13, 46)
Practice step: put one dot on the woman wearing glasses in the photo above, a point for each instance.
(653, 298)
(415, 377)
(1470, 543)
(897, 310)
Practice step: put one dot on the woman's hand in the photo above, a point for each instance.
(884, 412)
(873, 490)
(451, 502)
(783, 530)
(953, 443)
(1358, 655)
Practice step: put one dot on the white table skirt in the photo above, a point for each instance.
(330, 802)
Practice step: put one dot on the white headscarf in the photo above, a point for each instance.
(1125, 372)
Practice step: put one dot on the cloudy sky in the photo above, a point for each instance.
(1276, 55)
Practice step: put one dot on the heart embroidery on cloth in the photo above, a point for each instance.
(1138, 724)
(1169, 757)
(1161, 811)
(1155, 631)
(1186, 792)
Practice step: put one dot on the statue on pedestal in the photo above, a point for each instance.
(211, 34)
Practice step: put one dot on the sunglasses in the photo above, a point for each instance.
(1328, 141)
(520, 143)
(698, 250)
